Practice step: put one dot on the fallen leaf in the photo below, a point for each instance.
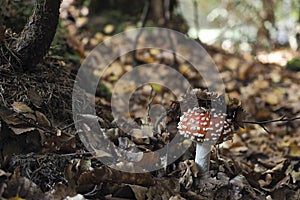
(294, 150)
(19, 131)
(21, 107)
(139, 191)
(42, 119)
(35, 98)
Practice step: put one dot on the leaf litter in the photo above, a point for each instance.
(43, 157)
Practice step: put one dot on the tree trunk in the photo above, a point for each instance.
(267, 15)
(157, 12)
(37, 35)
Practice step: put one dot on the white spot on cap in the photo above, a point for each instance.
(199, 135)
(181, 132)
(192, 120)
(219, 130)
(227, 131)
(184, 119)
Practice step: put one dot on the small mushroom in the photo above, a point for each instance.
(206, 128)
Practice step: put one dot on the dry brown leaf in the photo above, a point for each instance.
(294, 150)
(42, 119)
(35, 98)
(139, 191)
(19, 131)
(21, 107)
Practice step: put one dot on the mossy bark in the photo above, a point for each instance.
(37, 35)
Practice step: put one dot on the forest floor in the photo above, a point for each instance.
(43, 156)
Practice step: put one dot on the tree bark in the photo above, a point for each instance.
(37, 35)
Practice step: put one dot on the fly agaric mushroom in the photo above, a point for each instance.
(206, 127)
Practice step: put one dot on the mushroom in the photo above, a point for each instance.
(206, 127)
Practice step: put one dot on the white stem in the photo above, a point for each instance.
(203, 157)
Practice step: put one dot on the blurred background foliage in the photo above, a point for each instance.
(234, 25)
(247, 25)
(14, 13)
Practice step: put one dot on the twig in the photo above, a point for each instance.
(93, 192)
(196, 17)
(282, 119)
(144, 19)
(150, 101)
(175, 63)
(263, 123)
(263, 126)
(19, 62)
(78, 154)
(72, 124)
(166, 11)
(167, 19)
(161, 117)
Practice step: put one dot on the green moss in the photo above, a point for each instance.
(102, 90)
(293, 65)
(60, 49)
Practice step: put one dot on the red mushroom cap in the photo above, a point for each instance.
(201, 125)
